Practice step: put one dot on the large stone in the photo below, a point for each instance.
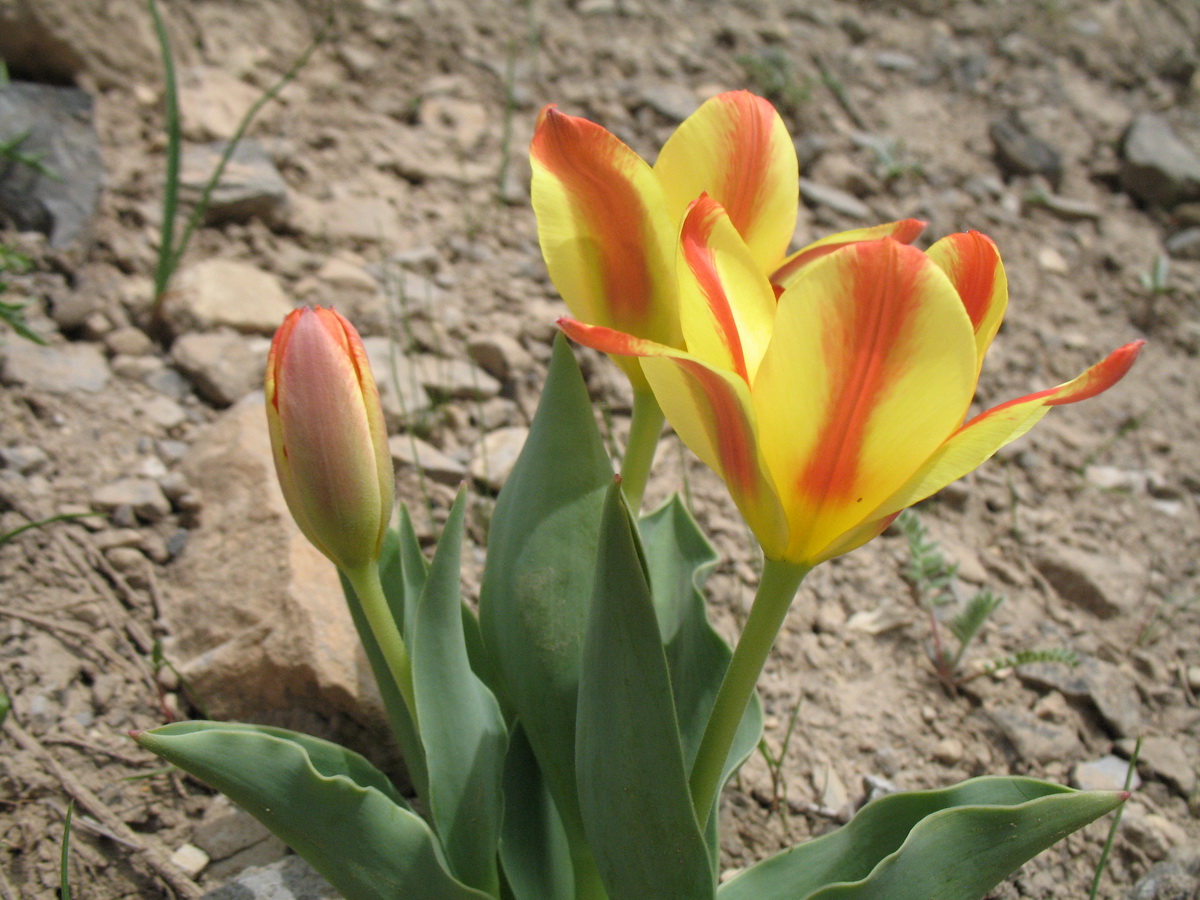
(142, 495)
(213, 101)
(1019, 152)
(1169, 759)
(265, 635)
(291, 878)
(497, 454)
(409, 450)
(1035, 740)
(223, 366)
(60, 369)
(57, 194)
(1102, 584)
(250, 186)
(1159, 168)
(1106, 687)
(226, 292)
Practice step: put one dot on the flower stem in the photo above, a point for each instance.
(775, 592)
(644, 430)
(369, 591)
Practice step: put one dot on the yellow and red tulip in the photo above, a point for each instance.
(328, 436)
(833, 408)
(608, 222)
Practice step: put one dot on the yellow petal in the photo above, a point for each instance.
(973, 264)
(726, 305)
(711, 412)
(978, 439)
(736, 149)
(604, 229)
(905, 231)
(871, 367)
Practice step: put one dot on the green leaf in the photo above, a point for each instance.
(329, 804)
(633, 786)
(395, 588)
(951, 844)
(461, 726)
(540, 567)
(680, 558)
(533, 845)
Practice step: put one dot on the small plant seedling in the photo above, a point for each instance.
(1161, 618)
(41, 523)
(64, 883)
(779, 796)
(13, 314)
(770, 72)
(933, 581)
(1158, 279)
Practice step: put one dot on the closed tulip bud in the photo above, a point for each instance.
(328, 436)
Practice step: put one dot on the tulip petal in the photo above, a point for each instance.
(978, 439)
(726, 305)
(736, 148)
(712, 413)
(603, 227)
(870, 369)
(973, 264)
(905, 231)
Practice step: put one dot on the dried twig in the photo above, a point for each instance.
(145, 847)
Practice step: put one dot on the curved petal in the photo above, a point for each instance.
(736, 148)
(869, 370)
(973, 264)
(726, 305)
(711, 412)
(603, 227)
(609, 340)
(905, 231)
(978, 439)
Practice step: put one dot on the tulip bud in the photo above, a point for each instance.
(328, 436)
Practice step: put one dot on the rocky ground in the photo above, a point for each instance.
(390, 179)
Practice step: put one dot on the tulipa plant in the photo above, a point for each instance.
(570, 740)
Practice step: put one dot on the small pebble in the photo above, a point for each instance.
(191, 859)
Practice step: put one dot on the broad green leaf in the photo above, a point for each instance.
(394, 589)
(327, 803)
(679, 558)
(951, 844)
(633, 786)
(462, 729)
(533, 845)
(540, 566)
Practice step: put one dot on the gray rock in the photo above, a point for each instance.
(1018, 152)
(1158, 167)
(250, 187)
(1112, 478)
(227, 833)
(224, 367)
(142, 495)
(409, 450)
(291, 878)
(1185, 244)
(128, 341)
(1153, 834)
(838, 200)
(500, 355)
(453, 379)
(1104, 774)
(1176, 878)
(226, 292)
(24, 458)
(58, 195)
(1034, 739)
(1106, 687)
(60, 369)
(1166, 758)
(672, 101)
(497, 454)
(163, 412)
(1103, 584)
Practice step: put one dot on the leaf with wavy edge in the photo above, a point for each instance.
(951, 844)
(326, 802)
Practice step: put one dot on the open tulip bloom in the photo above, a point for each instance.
(570, 739)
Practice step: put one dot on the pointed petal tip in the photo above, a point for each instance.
(1100, 377)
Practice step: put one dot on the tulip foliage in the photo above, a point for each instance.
(568, 740)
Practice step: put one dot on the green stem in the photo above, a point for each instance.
(775, 592)
(369, 591)
(644, 430)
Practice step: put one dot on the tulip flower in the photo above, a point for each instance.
(328, 436)
(608, 223)
(831, 410)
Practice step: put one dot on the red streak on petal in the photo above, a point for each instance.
(608, 340)
(973, 272)
(748, 143)
(583, 156)
(863, 351)
(728, 426)
(695, 239)
(906, 231)
(1096, 380)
